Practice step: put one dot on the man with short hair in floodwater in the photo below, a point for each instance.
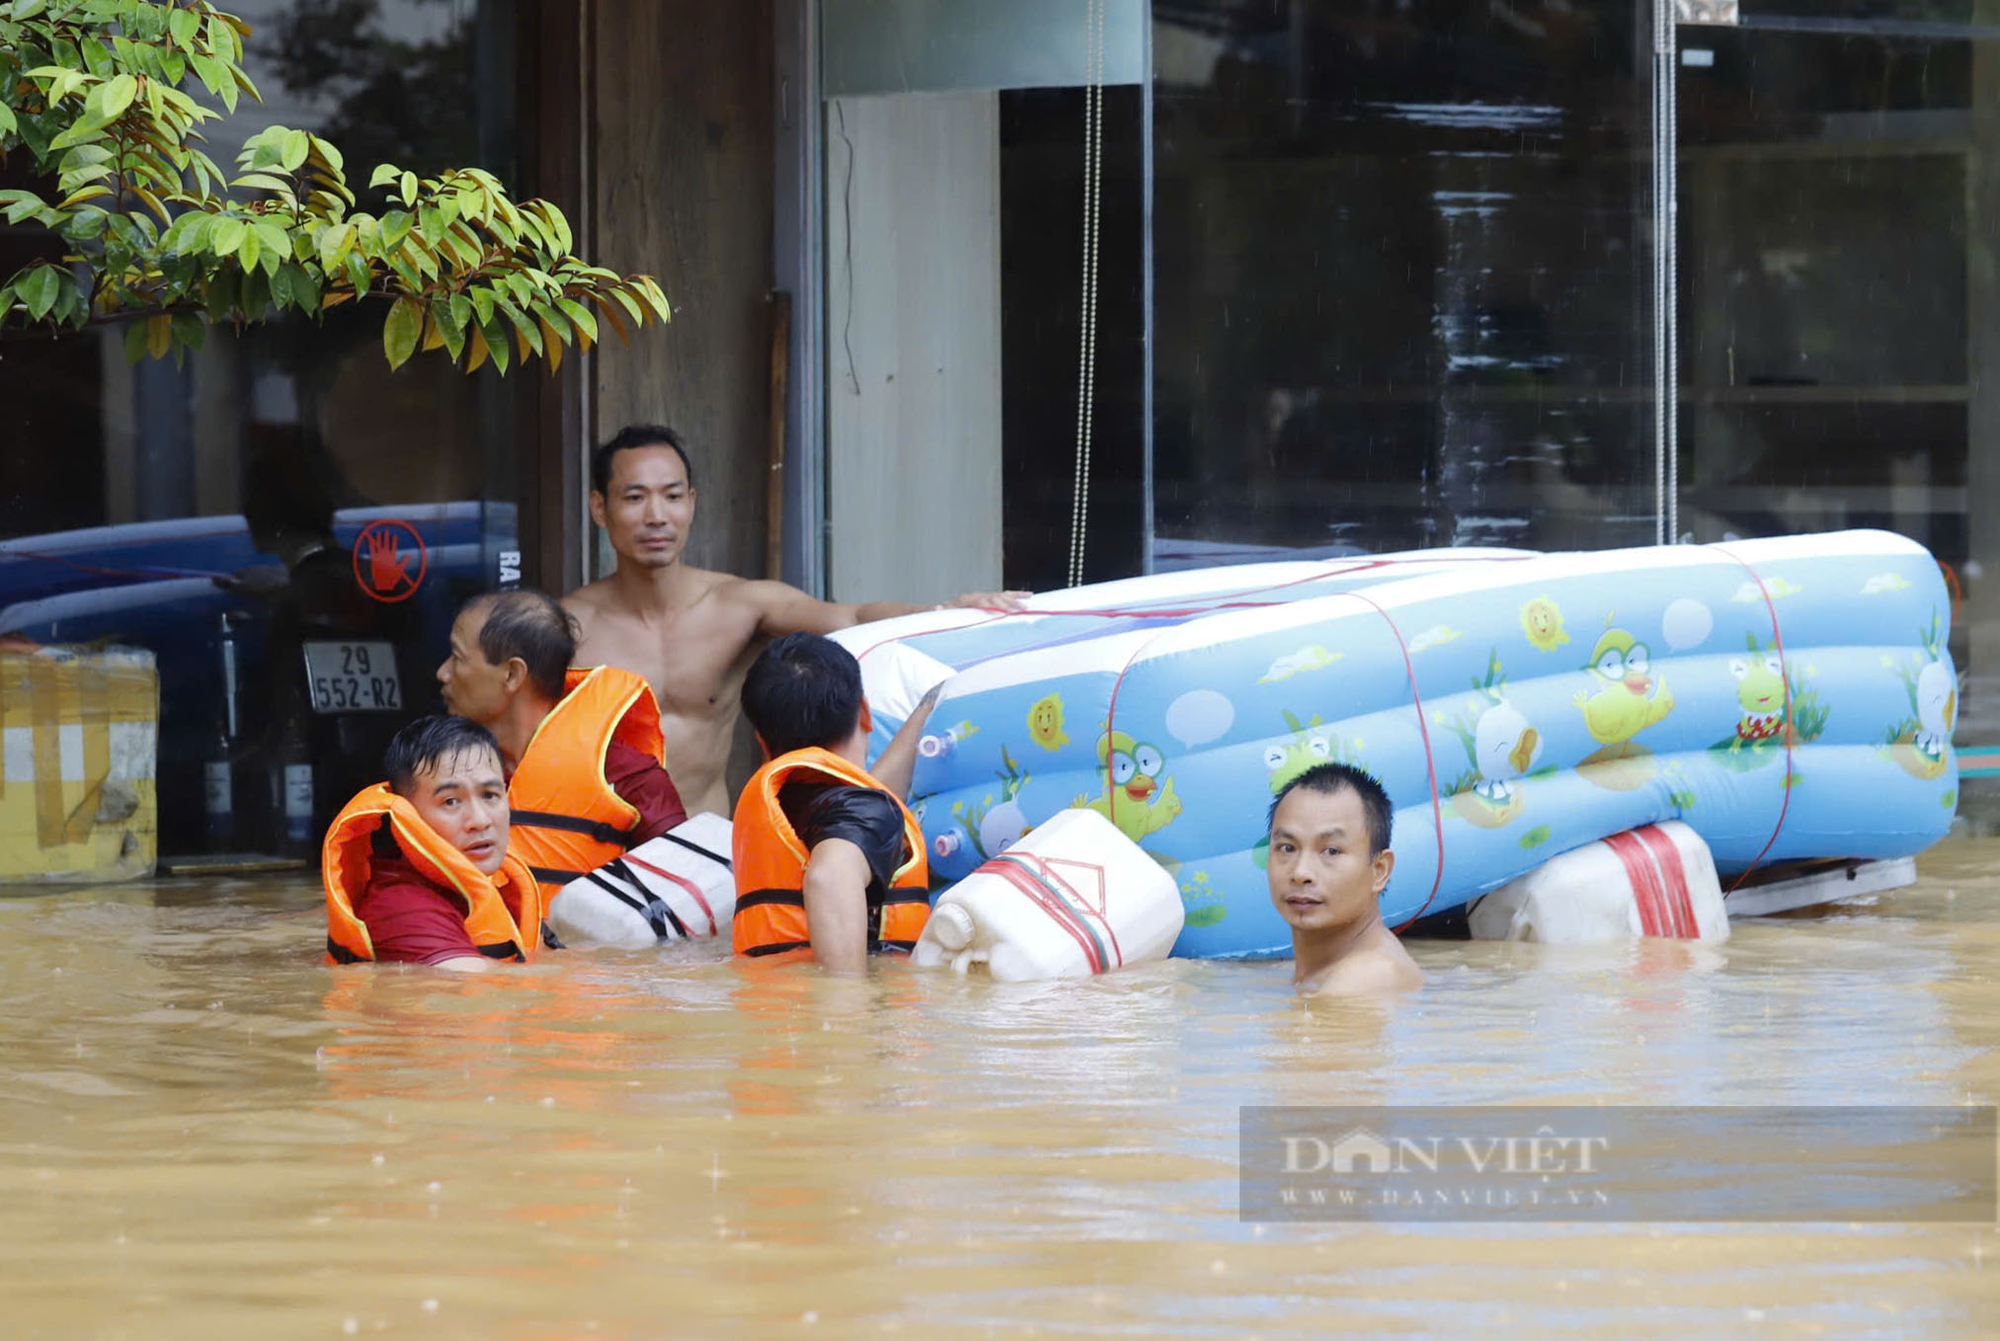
(416, 868)
(691, 633)
(1329, 863)
(581, 748)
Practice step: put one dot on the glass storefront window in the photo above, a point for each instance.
(1837, 288)
(278, 517)
(1402, 263)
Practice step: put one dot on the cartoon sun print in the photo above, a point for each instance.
(1542, 621)
(1045, 723)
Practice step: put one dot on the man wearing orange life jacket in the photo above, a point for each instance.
(583, 751)
(416, 869)
(829, 861)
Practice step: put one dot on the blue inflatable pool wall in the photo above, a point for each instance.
(1788, 698)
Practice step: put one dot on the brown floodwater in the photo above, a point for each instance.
(204, 1132)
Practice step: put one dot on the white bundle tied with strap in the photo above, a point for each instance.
(676, 887)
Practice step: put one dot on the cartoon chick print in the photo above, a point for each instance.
(1629, 696)
(1045, 722)
(1134, 797)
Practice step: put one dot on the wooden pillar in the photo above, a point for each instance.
(682, 102)
(554, 67)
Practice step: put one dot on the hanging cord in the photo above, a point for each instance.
(1671, 170)
(1666, 277)
(1093, 179)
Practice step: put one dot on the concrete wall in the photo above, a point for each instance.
(680, 187)
(913, 346)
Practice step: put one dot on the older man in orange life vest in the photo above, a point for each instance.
(586, 777)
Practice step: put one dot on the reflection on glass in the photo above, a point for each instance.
(1836, 292)
(1401, 256)
(142, 504)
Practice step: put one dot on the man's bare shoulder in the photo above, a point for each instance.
(1374, 971)
(589, 598)
(605, 598)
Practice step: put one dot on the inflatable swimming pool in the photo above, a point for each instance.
(1787, 698)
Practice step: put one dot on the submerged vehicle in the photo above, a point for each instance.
(1788, 698)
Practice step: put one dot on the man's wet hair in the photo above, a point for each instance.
(1333, 779)
(803, 691)
(428, 744)
(630, 439)
(533, 626)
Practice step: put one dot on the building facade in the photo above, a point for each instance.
(1331, 278)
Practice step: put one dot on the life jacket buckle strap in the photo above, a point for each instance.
(595, 830)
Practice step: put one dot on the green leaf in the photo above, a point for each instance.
(277, 244)
(96, 57)
(329, 155)
(250, 248)
(256, 294)
(454, 339)
(185, 25)
(579, 317)
(114, 96)
(400, 331)
(409, 188)
(333, 245)
(461, 311)
(264, 181)
(297, 144)
(495, 336)
(359, 276)
(135, 341)
(482, 304)
(227, 236)
(39, 290)
(656, 297)
(221, 296)
(396, 225)
(384, 173)
(190, 329)
(522, 323)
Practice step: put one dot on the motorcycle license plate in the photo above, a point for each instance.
(353, 677)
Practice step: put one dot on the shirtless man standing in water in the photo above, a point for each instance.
(691, 632)
(1328, 865)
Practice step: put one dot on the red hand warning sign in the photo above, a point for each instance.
(390, 560)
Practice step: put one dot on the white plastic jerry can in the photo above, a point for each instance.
(1072, 898)
(1656, 881)
(677, 887)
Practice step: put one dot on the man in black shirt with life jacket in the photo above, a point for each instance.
(829, 861)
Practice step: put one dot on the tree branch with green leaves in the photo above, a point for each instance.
(97, 92)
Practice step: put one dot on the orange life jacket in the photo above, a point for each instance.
(567, 819)
(770, 864)
(503, 912)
